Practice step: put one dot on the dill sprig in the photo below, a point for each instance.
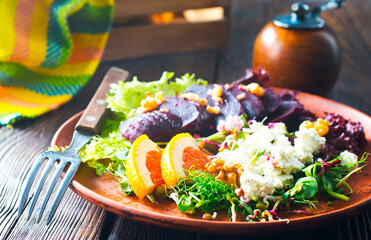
(200, 190)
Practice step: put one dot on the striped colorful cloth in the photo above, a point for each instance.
(48, 50)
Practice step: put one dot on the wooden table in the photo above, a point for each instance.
(76, 218)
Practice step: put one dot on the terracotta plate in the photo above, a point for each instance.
(105, 191)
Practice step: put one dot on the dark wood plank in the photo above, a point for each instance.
(356, 227)
(78, 218)
(151, 39)
(130, 8)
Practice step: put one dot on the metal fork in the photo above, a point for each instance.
(88, 125)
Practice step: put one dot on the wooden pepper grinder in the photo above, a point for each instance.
(299, 51)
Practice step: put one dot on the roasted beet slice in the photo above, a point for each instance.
(230, 106)
(271, 101)
(158, 126)
(287, 110)
(253, 106)
(200, 90)
(289, 113)
(259, 76)
(288, 95)
(194, 116)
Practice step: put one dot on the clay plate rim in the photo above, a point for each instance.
(314, 103)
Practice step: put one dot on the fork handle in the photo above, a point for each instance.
(96, 112)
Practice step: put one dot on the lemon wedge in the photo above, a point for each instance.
(182, 152)
(143, 168)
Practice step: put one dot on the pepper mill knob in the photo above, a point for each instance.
(299, 10)
(299, 51)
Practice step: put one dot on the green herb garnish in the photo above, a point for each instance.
(200, 190)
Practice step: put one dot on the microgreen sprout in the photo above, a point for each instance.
(331, 176)
(200, 190)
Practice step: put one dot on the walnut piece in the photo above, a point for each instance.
(227, 173)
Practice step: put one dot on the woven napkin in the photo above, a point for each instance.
(49, 49)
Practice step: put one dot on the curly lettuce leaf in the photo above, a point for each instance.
(108, 154)
(113, 147)
(125, 97)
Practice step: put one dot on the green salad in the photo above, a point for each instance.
(255, 170)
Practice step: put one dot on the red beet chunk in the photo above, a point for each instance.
(201, 91)
(271, 101)
(259, 76)
(230, 106)
(158, 126)
(289, 113)
(194, 116)
(286, 110)
(288, 95)
(253, 106)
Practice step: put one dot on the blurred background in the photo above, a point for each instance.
(244, 20)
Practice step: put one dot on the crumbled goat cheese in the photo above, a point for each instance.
(230, 124)
(256, 185)
(307, 143)
(268, 157)
(347, 158)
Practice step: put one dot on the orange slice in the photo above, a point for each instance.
(182, 152)
(143, 166)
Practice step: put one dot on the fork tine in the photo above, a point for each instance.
(30, 179)
(54, 180)
(45, 173)
(66, 181)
